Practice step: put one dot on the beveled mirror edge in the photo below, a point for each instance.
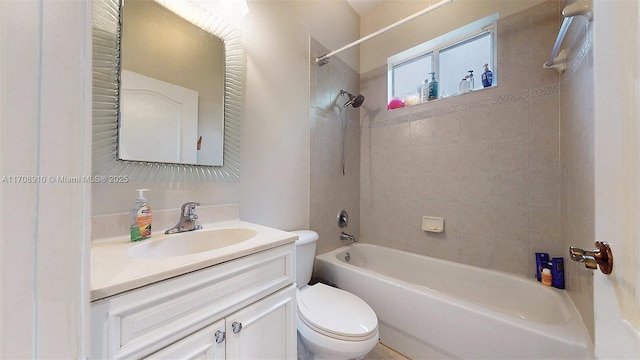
(106, 84)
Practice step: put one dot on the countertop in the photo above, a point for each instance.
(113, 271)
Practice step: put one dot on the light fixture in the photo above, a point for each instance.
(207, 14)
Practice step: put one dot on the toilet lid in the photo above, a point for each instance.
(336, 313)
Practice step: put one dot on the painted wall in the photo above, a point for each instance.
(275, 163)
(45, 82)
(488, 162)
(577, 200)
(46, 129)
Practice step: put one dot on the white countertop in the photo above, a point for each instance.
(113, 271)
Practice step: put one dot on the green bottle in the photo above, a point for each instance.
(433, 87)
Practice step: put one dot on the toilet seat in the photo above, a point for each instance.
(336, 313)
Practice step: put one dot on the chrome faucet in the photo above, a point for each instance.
(187, 220)
(345, 236)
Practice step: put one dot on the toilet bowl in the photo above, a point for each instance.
(332, 323)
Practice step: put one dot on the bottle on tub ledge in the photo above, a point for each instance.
(550, 271)
(557, 272)
(547, 277)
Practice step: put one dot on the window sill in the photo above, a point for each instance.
(448, 97)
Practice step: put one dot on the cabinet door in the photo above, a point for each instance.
(207, 343)
(265, 329)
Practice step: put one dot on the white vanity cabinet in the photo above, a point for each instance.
(240, 309)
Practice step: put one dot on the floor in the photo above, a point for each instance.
(382, 352)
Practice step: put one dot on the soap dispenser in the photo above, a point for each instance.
(487, 76)
(472, 84)
(140, 218)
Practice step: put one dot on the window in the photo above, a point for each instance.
(451, 57)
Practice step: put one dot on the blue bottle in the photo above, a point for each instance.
(487, 76)
(542, 259)
(557, 271)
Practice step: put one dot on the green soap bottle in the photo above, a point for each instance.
(433, 87)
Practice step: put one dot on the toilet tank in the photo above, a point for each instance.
(305, 254)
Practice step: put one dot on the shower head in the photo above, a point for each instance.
(354, 101)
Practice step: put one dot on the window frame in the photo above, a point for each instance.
(459, 36)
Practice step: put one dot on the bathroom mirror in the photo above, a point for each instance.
(218, 99)
(171, 88)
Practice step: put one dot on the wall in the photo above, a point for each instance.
(375, 52)
(577, 159)
(45, 131)
(275, 161)
(488, 162)
(331, 191)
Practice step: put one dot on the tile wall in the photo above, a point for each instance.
(331, 191)
(488, 162)
(577, 158)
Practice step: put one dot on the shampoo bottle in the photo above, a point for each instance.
(433, 87)
(557, 272)
(541, 262)
(140, 218)
(424, 91)
(547, 278)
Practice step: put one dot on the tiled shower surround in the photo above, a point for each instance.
(488, 162)
(577, 200)
(330, 190)
(509, 168)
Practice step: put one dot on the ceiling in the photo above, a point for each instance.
(363, 6)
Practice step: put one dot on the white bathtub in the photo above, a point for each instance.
(432, 308)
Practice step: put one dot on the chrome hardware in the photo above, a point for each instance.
(220, 335)
(601, 256)
(187, 220)
(343, 219)
(345, 236)
(347, 256)
(236, 326)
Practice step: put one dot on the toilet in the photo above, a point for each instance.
(332, 323)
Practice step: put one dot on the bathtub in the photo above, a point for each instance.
(433, 309)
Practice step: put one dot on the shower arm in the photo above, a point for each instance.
(325, 58)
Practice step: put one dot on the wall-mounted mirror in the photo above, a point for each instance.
(171, 88)
(167, 93)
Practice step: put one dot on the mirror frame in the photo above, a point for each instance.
(106, 36)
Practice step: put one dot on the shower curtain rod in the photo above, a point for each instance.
(325, 58)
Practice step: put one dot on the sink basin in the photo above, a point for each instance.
(188, 243)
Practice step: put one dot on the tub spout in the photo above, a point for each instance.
(345, 236)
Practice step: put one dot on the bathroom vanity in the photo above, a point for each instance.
(233, 302)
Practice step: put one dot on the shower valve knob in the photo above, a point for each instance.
(343, 219)
(600, 256)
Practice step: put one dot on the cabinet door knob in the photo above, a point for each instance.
(236, 326)
(220, 335)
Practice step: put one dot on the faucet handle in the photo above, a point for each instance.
(189, 208)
